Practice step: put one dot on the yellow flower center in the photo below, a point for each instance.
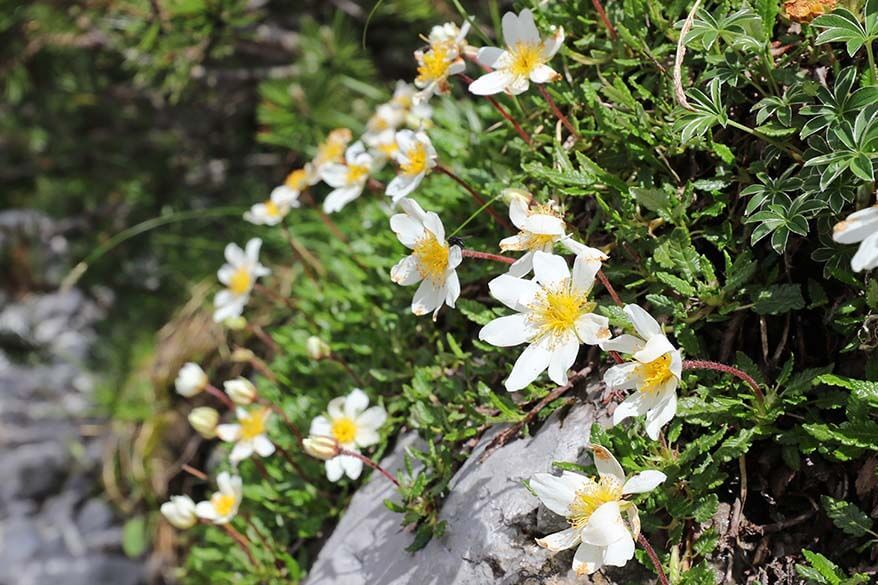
(240, 281)
(432, 257)
(271, 209)
(434, 65)
(332, 150)
(417, 160)
(253, 424)
(555, 312)
(223, 503)
(525, 58)
(297, 180)
(592, 496)
(654, 373)
(344, 430)
(403, 101)
(357, 173)
(537, 241)
(388, 148)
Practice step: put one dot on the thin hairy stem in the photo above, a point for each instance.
(220, 395)
(654, 558)
(370, 463)
(558, 113)
(241, 540)
(602, 14)
(487, 256)
(612, 292)
(194, 472)
(347, 368)
(524, 135)
(718, 367)
(475, 195)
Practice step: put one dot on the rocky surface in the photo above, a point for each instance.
(54, 527)
(492, 520)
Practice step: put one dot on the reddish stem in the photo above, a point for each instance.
(347, 368)
(616, 357)
(604, 281)
(289, 423)
(524, 135)
(603, 16)
(475, 195)
(558, 113)
(194, 472)
(221, 396)
(487, 256)
(241, 540)
(653, 557)
(369, 462)
(718, 367)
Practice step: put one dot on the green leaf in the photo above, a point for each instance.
(863, 389)
(822, 570)
(779, 299)
(846, 516)
(134, 537)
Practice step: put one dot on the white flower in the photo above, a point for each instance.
(862, 227)
(330, 151)
(348, 179)
(180, 512)
(554, 318)
(387, 116)
(416, 158)
(594, 510)
(273, 211)
(382, 147)
(223, 504)
(354, 426)
(191, 380)
(435, 66)
(524, 59)
(323, 448)
(433, 262)
(248, 434)
(204, 420)
(317, 349)
(449, 34)
(420, 117)
(654, 373)
(240, 390)
(541, 226)
(239, 275)
(403, 95)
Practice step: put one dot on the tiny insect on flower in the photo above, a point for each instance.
(554, 317)
(348, 423)
(654, 372)
(524, 60)
(433, 261)
(594, 509)
(191, 380)
(239, 274)
(223, 505)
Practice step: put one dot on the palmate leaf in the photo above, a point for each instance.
(708, 111)
(850, 147)
(741, 29)
(841, 26)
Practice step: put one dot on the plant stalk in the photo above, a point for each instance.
(487, 256)
(718, 367)
(558, 113)
(475, 195)
(370, 463)
(654, 558)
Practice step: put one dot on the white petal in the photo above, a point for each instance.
(334, 174)
(338, 198)
(240, 452)
(428, 298)
(336, 408)
(584, 271)
(643, 482)
(605, 526)
(452, 289)
(514, 243)
(518, 85)
(866, 257)
(543, 74)
(588, 559)
(643, 322)
(562, 360)
(403, 185)
(532, 362)
(539, 223)
(515, 293)
(592, 329)
(552, 44)
(406, 272)
(560, 540)
(366, 437)
(228, 433)
(857, 227)
(228, 306)
(491, 83)
(434, 224)
(206, 511)
(621, 377)
(607, 464)
(557, 492)
(662, 413)
(407, 229)
(656, 347)
(488, 56)
(411, 208)
(637, 404)
(520, 29)
(263, 446)
(620, 552)
(353, 467)
(373, 418)
(623, 344)
(334, 469)
(522, 266)
(519, 208)
(550, 270)
(507, 331)
(405, 140)
(225, 273)
(355, 403)
(235, 255)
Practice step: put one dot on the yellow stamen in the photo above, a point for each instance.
(654, 373)
(555, 312)
(525, 58)
(356, 173)
(537, 241)
(417, 160)
(332, 149)
(434, 65)
(223, 504)
(388, 148)
(253, 424)
(432, 257)
(240, 281)
(271, 208)
(344, 430)
(297, 180)
(592, 496)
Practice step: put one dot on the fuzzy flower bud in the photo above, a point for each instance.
(235, 323)
(241, 391)
(243, 355)
(191, 380)
(320, 447)
(204, 420)
(511, 193)
(180, 512)
(317, 348)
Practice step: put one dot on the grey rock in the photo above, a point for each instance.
(492, 520)
(95, 516)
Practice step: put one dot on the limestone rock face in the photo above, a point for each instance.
(492, 519)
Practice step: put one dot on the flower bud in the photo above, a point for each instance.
(511, 193)
(180, 512)
(191, 380)
(241, 391)
(243, 355)
(204, 420)
(235, 323)
(320, 447)
(317, 348)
